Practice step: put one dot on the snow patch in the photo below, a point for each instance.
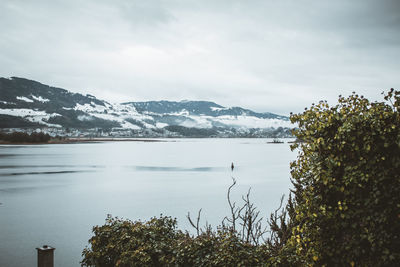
(128, 125)
(161, 125)
(218, 109)
(39, 116)
(23, 98)
(85, 118)
(197, 122)
(241, 121)
(40, 99)
(183, 112)
(120, 118)
(252, 122)
(92, 107)
(5, 102)
(22, 112)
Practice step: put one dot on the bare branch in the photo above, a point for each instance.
(195, 226)
(234, 210)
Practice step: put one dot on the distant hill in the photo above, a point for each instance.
(29, 104)
(198, 108)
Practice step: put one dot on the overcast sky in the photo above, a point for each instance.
(270, 55)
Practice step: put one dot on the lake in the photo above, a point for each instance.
(54, 194)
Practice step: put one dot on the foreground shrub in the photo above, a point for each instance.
(221, 248)
(347, 183)
(125, 243)
(158, 242)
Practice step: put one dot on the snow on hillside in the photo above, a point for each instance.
(40, 99)
(218, 109)
(197, 122)
(121, 113)
(124, 115)
(117, 112)
(232, 121)
(92, 107)
(252, 122)
(9, 103)
(72, 109)
(23, 98)
(31, 115)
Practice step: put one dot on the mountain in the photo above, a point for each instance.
(29, 104)
(198, 108)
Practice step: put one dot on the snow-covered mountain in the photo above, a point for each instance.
(30, 104)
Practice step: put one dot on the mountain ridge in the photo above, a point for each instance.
(41, 105)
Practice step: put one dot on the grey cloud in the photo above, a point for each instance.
(268, 55)
(145, 12)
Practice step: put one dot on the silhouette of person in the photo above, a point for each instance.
(232, 166)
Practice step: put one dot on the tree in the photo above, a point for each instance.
(347, 183)
(21, 137)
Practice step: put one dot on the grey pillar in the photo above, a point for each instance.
(45, 256)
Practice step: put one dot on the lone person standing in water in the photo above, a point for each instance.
(232, 166)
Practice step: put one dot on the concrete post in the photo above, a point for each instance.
(45, 256)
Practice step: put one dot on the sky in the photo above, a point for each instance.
(268, 56)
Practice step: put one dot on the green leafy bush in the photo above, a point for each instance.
(221, 248)
(158, 242)
(347, 183)
(125, 243)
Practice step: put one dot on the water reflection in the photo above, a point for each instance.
(49, 166)
(25, 189)
(8, 155)
(178, 169)
(36, 173)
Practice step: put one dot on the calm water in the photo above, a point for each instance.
(54, 194)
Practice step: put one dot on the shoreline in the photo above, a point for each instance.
(102, 139)
(82, 140)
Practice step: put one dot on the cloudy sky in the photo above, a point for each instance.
(270, 55)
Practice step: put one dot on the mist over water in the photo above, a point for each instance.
(55, 194)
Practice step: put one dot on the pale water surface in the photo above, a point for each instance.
(55, 194)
